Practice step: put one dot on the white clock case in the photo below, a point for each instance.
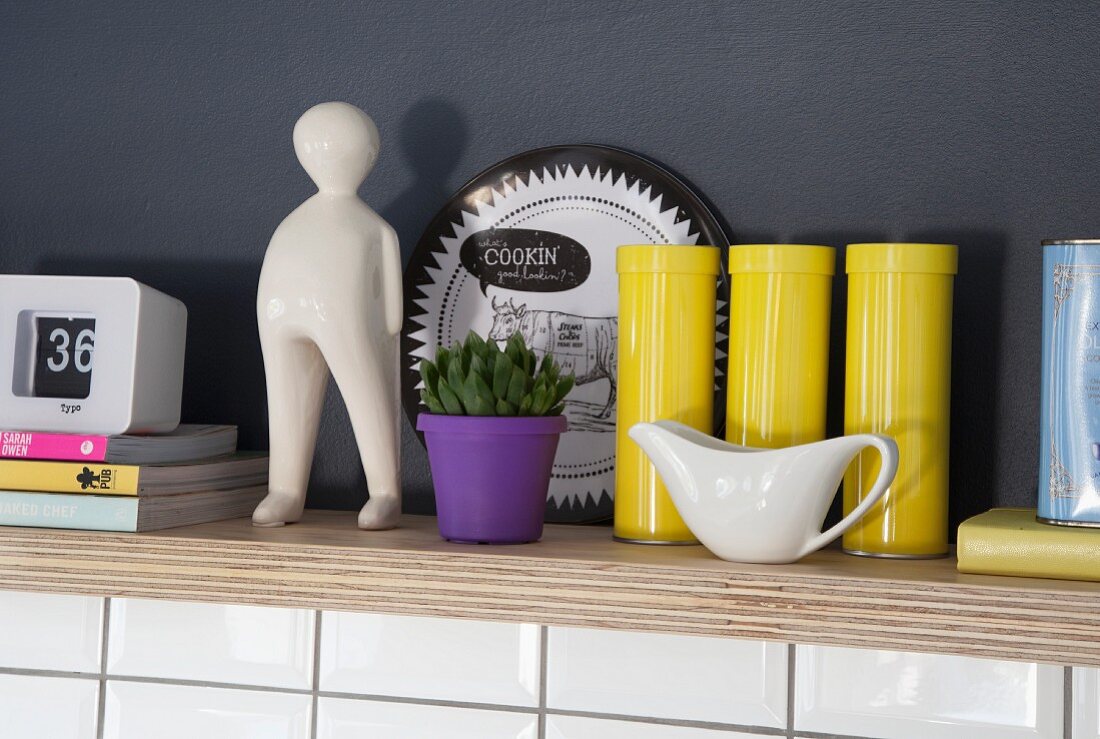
(137, 371)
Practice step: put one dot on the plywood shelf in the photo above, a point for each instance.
(575, 576)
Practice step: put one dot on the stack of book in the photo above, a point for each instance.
(130, 482)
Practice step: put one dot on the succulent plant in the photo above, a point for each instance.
(478, 378)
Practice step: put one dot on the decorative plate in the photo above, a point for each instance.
(529, 245)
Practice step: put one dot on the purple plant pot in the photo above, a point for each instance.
(491, 474)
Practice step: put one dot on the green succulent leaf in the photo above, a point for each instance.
(449, 399)
(442, 360)
(455, 375)
(430, 374)
(502, 375)
(517, 386)
(515, 349)
(540, 400)
(563, 386)
(477, 396)
(547, 363)
(478, 367)
(525, 406)
(432, 402)
(474, 343)
(556, 410)
(504, 408)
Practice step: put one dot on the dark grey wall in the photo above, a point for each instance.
(153, 139)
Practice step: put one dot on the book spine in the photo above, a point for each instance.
(32, 445)
(69, 477)
(55, 511)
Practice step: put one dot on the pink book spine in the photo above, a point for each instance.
(34, 445)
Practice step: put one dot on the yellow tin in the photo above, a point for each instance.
(667, 299)
(898, 383)
(777, 371)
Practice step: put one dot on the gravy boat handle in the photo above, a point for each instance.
(888, 450)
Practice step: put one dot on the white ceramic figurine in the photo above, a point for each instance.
(330, 299)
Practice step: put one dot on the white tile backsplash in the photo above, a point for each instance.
(885, 694)
(435, 658)
(1086, 703)
(51, 632)
(576, 727)
(731, 681)
(605, 676)
(145, 711)
(340, 718)
(33, 707)
(245, 645)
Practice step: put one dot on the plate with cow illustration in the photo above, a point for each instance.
(529, 245)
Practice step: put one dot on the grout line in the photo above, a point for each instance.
(531, 710)
(152, 680)
(544, 649)
(685, 723)
(1067, 703)
(101, 699)
(757, 730)
(35, 672)
(792, 665)
(316, 672)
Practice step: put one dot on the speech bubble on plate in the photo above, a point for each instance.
(525, 259)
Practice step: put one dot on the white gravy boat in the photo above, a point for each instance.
(759, 505)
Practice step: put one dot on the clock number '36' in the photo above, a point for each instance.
(81, 353)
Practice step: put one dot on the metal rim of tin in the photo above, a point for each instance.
(883, 555)
(1070, 242)
(1076, 524)
(686, 543)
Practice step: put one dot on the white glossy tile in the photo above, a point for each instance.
(145, 710)
(1086, 703)
(53, 707)
(340, 718)
(204, 641)
(443, 659)
(55, 632)
(575, 727)
(731, 681)
(885, 694)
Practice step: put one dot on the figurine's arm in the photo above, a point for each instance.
(391, 277)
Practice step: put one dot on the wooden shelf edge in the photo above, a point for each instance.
(575, 577)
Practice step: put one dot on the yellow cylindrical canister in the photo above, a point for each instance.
(667, 302)
(898, 383)
(777, 372)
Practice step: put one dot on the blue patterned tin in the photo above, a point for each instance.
(1069, 459)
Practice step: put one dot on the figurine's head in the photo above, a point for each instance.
(337, 145)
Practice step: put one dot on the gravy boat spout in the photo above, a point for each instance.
(759, 505)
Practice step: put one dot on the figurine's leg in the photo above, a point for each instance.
(296, 380)
(371, 395)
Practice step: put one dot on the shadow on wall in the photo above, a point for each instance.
(433, 136)
(975, 375)
(223, 379)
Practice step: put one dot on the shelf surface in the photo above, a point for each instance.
(575, 576)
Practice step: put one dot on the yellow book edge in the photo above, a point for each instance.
(92, 478)
(1010, 541)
